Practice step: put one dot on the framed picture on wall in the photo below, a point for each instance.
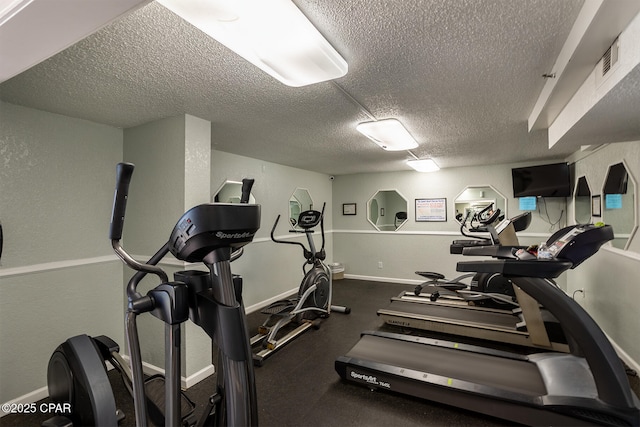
(428, 210)
(596, 206)
(348, 209)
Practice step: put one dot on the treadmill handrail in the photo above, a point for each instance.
(594, 346)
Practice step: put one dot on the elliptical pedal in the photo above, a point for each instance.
(279, 307)
(154, 387)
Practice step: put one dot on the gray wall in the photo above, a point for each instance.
(610, 278)
(271, 269)
(419, 245)
(57, 275)
(172, 158)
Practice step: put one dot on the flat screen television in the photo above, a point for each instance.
(551, 180)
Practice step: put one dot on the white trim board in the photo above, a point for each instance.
(56, 265)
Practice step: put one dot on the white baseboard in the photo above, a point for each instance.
(255, 307)
(625, 357)
(202, 374)
(384, 279)
(185, 382)
(149, 369)
(26, 399)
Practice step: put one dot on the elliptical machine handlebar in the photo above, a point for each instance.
(322, 254)
(123, 178)
(247, 183)
(309, 254)
(124, 171)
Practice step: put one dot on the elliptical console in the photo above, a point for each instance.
(205, 228)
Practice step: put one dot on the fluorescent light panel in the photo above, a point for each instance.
(388, 134)
(426, 165)
(274, 35)
(8, 8)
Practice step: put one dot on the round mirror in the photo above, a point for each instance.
(299, 201)
(476, 198)
(230, 192)
(582, 201)
(387, 210)
(619, 194)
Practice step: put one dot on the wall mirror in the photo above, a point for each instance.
(299, 201)
(230, 192)
(475, 198)
(619, 204)
(387, 210)
(582, 201)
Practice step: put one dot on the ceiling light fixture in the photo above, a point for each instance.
(274, 35)
(388, 134)
(9, 8)
(424, 165)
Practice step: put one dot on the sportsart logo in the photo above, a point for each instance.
(369, 379)
(245, 235)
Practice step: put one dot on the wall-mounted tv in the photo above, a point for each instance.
(551, 180)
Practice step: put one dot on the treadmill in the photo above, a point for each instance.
(587, 386)
(456, 310)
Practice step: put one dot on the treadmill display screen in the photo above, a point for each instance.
(557, 246)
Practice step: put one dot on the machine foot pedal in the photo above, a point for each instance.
(279, 307)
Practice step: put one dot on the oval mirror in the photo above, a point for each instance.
(619, 204)
(387, 210)
(299, 201)
(475, 198)
(230, 192)
(582, 201)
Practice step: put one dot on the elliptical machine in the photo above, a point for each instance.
(213, 234)
(313, 300)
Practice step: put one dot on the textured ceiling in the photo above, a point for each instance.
(462, 76)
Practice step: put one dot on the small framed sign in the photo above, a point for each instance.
(431, 210)
(348, 209)
(596, 206)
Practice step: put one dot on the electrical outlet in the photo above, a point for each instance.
(379, 264)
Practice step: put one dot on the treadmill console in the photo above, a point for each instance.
(578, 242)
(569, 247)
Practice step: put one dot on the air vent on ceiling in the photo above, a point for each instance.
(608, 62)
(609, 59)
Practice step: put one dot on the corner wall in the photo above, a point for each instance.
(172, 158)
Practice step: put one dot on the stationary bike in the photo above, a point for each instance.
(213, 234)
(313, 301)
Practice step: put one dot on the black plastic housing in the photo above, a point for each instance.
(205, 228)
